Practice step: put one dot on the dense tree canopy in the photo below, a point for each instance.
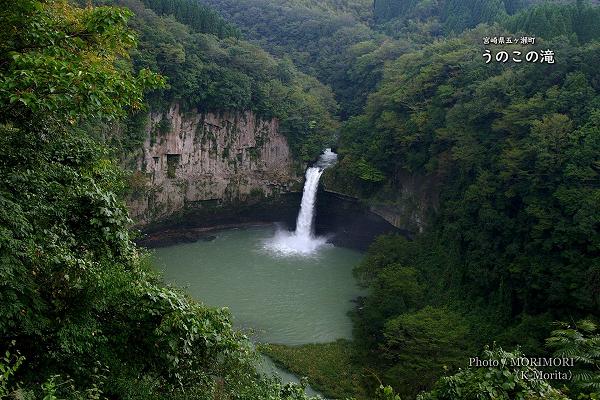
(327, 40)
(515, 149)
(83, 314)
(199, 18)
(575, 22)
(453, 16)
(52, 65)
(501, 382)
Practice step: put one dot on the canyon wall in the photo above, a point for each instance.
(408, 203)
(195, 160)
(416, 200)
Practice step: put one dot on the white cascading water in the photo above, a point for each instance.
(302, 241)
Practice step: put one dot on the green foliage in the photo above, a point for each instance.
(582, 343)
(9, 364)
(60, 61)
(428, 331)
(518, 155)
(75, 282)
(88, 316)
(449, 16)
(546, 20)
(578, 21)
(200, 18)
(418, 347)
(386, 393)
(326, 39)
(495, 383)
(514, 149)
(329, 367)
(409, 343)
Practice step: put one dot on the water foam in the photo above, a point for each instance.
(303, 241)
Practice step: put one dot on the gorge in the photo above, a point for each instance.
(198, 172)
(168, 215)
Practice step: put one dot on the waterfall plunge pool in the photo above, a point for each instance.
(288, 300)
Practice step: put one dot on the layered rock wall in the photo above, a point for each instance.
(194, 159)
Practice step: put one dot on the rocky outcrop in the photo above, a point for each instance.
(416, 199)
(408, 202)
(191, 159)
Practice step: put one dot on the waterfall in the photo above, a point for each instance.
(302, 240)
(309, 195)
(305, 218)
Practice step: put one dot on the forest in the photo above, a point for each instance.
(505, 263)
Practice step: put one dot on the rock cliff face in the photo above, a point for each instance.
(408, 204)
(417, 199)
(196, 160)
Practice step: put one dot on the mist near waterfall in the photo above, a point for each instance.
(303, 241)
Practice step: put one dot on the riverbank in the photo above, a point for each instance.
(171, 237)
(329, 367)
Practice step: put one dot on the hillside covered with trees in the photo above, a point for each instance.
(209, 73)
(84, 314)
(507, 264)
(513, 245)
(329, 40)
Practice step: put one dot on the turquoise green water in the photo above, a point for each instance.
(289, 300)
